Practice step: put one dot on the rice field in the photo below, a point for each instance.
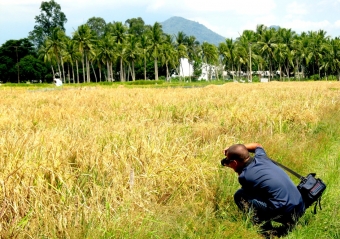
(102, 162)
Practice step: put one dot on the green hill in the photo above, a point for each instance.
(191, 28)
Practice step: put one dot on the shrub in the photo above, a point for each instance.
(145, 82)
(314, 77)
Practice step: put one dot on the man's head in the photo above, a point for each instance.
(237, 152)
(237, 156)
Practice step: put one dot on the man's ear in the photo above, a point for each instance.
(233, 164)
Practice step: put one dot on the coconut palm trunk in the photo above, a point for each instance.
(52, 70)
(111, 72)
(94, 72)
(88, 70)
(68, 73)
(144, 68)
(133, 74)
(84, 70)
(77, 71)
(63, 70)
(156, 68)
(100, 73)
(167, 71)
(108, 72)
(73, 73)
(122, 79)
(59, 71)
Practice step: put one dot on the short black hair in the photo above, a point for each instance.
(238, 152)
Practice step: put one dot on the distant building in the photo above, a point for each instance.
(208, 71)
(186, 68)
(58, 82)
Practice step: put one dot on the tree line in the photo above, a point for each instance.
(99, 51)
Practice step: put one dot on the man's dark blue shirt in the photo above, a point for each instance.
(267, 182)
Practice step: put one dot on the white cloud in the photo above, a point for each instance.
(209, 24)
(337, 23)
(156, 5)
(267, 20)
(18, 11)
(296, 8)
(222, 16)
(242, 7)
(189, 6)
(328, 3)
(300, 25)
(18, 2)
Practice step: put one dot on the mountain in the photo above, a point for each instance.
(275, 27)
(176, 24)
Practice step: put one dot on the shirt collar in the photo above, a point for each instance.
(250, 160)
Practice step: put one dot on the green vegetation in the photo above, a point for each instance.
(100, 51)
(175, 82)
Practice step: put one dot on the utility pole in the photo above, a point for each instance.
(251, 77)
(16, 50)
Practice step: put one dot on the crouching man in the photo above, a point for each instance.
(267, 192)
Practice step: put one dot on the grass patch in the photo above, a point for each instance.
(118, 161)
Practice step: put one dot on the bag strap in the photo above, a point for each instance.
(288, 169)
(318, 201)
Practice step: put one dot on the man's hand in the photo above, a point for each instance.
(225, 151)
(252, 146)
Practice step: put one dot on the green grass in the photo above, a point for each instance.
(128, 84)
(219, 217)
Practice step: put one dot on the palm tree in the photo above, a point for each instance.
(120, 50)
(301, 54)
(181, 50)
(106, 47)
(192, 50)
(280, 53)
(287, 36)
(70, 55)
(317, 44)
(260, 29)
(119, 31)
(245, 42)
(266, 44)
(168, 55)
(45, 53)
(241, 58)
(156, 40)
(56, 44)
(93, 58)
(331, 59)
(85, 40)
(227, 50)
(144, 46)
(335, 55)
(132, 53)
(209, 56)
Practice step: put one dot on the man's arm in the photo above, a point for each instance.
(252, 146)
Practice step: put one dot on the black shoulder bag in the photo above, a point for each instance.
(310, 187)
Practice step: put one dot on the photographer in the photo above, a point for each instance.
(267, 191)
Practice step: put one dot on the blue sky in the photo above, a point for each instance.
(227, 18)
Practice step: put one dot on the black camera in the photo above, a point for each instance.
(226, 161)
